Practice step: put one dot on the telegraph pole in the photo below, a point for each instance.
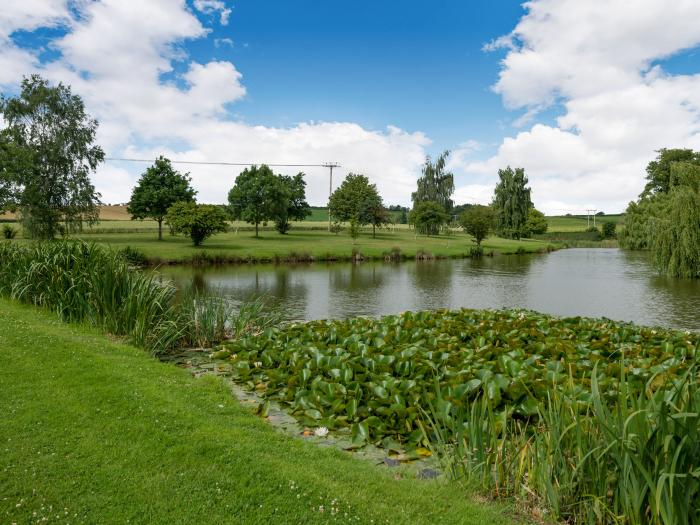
(330, 166)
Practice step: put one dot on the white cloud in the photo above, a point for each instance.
(597, 60)
(128, 63)
(214, 6)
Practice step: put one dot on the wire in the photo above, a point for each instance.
(114, 159)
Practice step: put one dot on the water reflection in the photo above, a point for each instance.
(591, 282)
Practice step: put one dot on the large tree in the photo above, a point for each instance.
(512, 202)
(292, 205)
(358, 201)
(47, 154)
(373, 212)
(659, 170)
(257, 196)
(436, 184)
(159, 187)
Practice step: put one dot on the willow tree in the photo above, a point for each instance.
(436, 184)
(675, 230)
(512, 202)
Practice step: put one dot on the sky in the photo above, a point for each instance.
(580, 94)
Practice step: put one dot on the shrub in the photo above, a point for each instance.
(199, 221)
(478, 221)
(609, 230)
(134, 257)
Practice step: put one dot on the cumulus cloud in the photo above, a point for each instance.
(121, 58)
(599, 61)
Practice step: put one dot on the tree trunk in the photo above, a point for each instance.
(256, 229)
(160, 229)
(374, 233)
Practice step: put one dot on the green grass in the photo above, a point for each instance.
(578, 223)
(305, 244)
(95, 431)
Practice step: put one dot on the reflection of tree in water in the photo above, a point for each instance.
(356, 276)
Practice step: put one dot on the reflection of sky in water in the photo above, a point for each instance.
(591, 282)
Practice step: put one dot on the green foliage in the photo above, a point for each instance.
(659, 170)
(666, 219)
(376, 374)
(536, 223)
(198, 221)
(354, 228)
(428, 217)
(46, 157)
(675, 233)
(134, 257)
(88, 283)
(608, 230)
(258, 195)
(359, 201)
(8, 232)
(436, 184)
(629, 459)
(512, 202)
(159, 187)
(292, 205)
(478, 221)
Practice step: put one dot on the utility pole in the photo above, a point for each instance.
(588, 218)
(330, 166)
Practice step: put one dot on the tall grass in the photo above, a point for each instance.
(85, 282)
(634, 461)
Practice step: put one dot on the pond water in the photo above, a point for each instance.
(596, 282)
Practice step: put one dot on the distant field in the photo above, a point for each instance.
(576, 223)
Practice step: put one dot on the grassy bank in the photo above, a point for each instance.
(94, 431)
(306, 245)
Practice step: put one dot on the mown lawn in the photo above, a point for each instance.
(301, 242)
(95, 431)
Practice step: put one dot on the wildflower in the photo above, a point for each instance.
(321, 432)
(257, 364)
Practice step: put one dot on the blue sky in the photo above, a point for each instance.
(580, 94)
(419, 66)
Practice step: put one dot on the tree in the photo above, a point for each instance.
(159, 187)
(374, 213)
(46, 158)
(512, 202)
(536, 222)
(436, 184)
(608, 230)
(257, 196)
(358, 200)
(199, 221)
(666, 219)
(659, 170)
(478, 221)
(292, 205)
(428, 217)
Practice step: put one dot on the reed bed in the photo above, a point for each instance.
(86, 282)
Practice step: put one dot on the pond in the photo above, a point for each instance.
(594, 282)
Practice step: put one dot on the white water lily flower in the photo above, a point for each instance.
(321, 432)
(257, 364)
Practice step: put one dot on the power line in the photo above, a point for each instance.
(209, 163)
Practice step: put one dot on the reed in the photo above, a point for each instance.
(635, 460)
(84, 282)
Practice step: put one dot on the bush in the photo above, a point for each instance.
(478, 221)
(9, 232)
(134, 257)
(199, 221)
(609, 230)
